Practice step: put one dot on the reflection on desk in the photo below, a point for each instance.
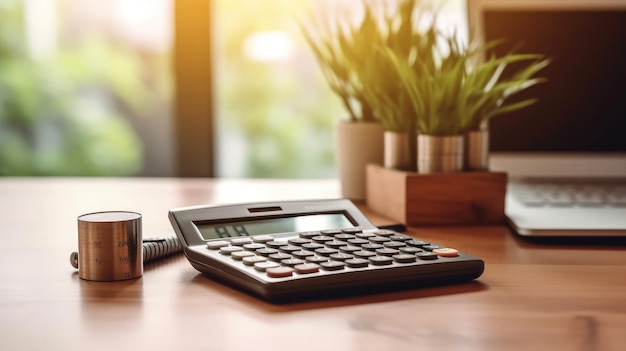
(532, 296)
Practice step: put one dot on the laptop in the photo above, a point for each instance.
(566, 154)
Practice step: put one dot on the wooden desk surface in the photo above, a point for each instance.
(532, 296)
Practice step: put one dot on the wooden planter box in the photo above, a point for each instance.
(464, 198)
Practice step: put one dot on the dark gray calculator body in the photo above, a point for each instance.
(295, 250)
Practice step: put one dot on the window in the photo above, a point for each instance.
(274, 111)
(85, 87)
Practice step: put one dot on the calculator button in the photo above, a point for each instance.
(400, 237)
(358, 241)
(215, 245)
(349, 249)
(309, 235)
(372, 247)
(239, 255)
(262, 238)
(416, 243)
(227, 250)
(290, 262)
(325, 251)
(289, 248)
(357, 263)
(316, 259)
(351, 230)
(446, 252)
(364, 254)
(431, 247)
(279, 272)
(384, 232)
(279, 256)
(266, 251)
(322, 238)
(262, 266)
(364, 235)
(332, 265)
(387, 252)
(298, 241)
(340, 256)
(409, 249)
(404, 258)
(381, 260)
(312, 246)
(335, 244)
(379, 239)
(275, 244)
(426, 255)
(344, 236)
(331, 232)
(307, 268)
(252, 260)
(303, 253)
(253, 246)
(240, 241)
(394, 244)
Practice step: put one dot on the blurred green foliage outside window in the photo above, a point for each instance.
(274, 110)
(66, 112)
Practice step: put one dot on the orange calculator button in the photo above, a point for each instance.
(446, 252)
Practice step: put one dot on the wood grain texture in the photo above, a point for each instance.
(532, 296)
(468, 198)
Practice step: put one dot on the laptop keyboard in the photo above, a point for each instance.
(569, 195)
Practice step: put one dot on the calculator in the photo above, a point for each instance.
(294, 250)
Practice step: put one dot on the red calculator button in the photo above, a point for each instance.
(306, 268)
(279, 272)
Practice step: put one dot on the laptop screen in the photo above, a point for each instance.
(582, 106)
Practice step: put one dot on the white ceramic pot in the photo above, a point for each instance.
(356, 145)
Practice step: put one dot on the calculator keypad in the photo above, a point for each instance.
(310, 253)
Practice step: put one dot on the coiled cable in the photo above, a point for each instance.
(156, 248)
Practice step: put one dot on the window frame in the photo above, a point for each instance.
(193, 95)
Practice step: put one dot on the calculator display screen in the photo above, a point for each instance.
(300, 223)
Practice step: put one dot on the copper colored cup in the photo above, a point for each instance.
(110, 246)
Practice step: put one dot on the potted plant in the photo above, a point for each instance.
(453, 95)
(492, 97)
(387, 96)
(355, 68)
(339, 48)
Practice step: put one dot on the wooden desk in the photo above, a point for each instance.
(531, 297)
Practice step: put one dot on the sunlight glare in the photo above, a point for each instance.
(268, 46)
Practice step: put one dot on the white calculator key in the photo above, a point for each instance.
(227, 250)
(262, 238)
(215, 245)
(240, 241)
(262, 266)
(252, 260)
(239, 255)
